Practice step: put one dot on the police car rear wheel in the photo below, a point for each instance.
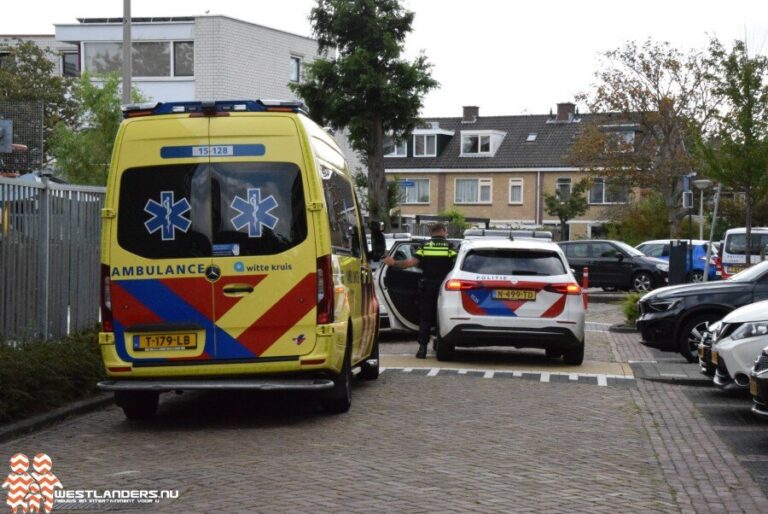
(339, 399)
(574, 357)
(445, 350)
(137, 405)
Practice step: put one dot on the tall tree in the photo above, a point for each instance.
(663, 96)
(367, 88)
(83, 153)
(735, 151)
(566, 208)
(28, 74)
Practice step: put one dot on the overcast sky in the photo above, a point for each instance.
(506, 57)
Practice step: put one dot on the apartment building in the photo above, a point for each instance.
(499, 167)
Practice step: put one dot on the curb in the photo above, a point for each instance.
(621, 328)
(694, 382)
(603, 298)
(18, 428)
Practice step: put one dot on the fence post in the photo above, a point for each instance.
(44, 255)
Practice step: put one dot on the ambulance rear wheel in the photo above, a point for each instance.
(339, 399)
(137, 405)
(371, 371)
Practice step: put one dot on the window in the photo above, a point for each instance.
(604, 250)
(603, 192)
(149, 58)
(414, 190)
(475, 144)
(563, 188)
(620, 142)
(424, 145)
(473, 190)
(513, 262)
(516, 190)
(576, 250)
(394, 148)
(655, 250)
(531, 137)
(183, 58)
(295, 69)
(70, 64)
(342, 214)
(6, 59)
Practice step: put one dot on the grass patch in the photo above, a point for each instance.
(37, 376)
(629, 306)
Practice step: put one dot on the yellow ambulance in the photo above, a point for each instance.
(233, 257)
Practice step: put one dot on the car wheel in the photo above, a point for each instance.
(642, 282)
(574, 357)
(553, 354)
(445, 350)
(371, 372)
(137, 405)
(696, 276)
(690, 336)
(339, 399)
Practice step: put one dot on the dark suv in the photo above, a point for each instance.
(613, 264)
(674, 318)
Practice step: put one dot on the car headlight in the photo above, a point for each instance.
(714, 330)
(662, 305)
(663, 267)
(754, 329)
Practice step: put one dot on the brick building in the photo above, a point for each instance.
(499, 167)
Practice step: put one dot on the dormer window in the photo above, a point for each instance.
(620, 138)
(480, 143)
(424, 145)
(394, 148)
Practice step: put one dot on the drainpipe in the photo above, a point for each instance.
(538, 217)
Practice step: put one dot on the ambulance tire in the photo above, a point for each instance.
(137, 405)
(339, 399)
(372, 372)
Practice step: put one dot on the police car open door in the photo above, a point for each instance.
(400, 288)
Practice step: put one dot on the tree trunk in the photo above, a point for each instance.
(563, 228)
(377, 181)
(748, 225)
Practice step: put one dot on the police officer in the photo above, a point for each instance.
(435, 258)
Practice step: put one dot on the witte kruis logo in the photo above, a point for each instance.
(27, 492)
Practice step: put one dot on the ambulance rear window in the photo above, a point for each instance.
(203, 210)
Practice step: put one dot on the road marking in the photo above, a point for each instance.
(488, 374)
(407, 370)
(573, 376)
(642, 362)
(545, 377)
(463, 372)
(433, 372)
(602, 380)
(517, 374)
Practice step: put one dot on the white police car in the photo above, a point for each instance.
(518, 293)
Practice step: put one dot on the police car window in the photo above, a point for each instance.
(163, 211)
(512, 262)
(342, 214)
(257, 208)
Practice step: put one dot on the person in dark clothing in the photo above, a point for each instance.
(435, 258)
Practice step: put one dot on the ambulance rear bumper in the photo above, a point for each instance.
(266, 384)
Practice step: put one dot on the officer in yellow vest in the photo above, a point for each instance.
(435, 258)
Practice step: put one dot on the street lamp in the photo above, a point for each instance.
(702, 184)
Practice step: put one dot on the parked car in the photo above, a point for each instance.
(733, 251)
(673, 318)
(758, 385)
(708, 337)
(613, 264)
(694, 267)
(742, 335)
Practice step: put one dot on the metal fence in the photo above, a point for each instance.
(28, 129)
(49, 258)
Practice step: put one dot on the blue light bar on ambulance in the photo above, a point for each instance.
(212, 108)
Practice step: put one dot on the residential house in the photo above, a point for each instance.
(499, 167)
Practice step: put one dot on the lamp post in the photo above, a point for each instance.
(702, 184)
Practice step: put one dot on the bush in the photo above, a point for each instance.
(629, 307)
(40, 375)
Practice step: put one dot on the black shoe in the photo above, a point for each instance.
(422, 353)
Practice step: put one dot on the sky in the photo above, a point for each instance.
(507, 57)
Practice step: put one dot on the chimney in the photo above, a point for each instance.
(565, 111)
(471, 113)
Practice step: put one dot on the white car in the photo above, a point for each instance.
(519, 293)
(740, 339)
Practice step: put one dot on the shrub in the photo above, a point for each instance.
(39, 375)
(629, 306)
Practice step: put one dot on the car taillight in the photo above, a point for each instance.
(106, 300)
(571, 288)
(324, 290)
(461, 285)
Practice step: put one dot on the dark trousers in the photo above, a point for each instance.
(427, 309)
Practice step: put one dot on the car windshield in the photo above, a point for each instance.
(632, 252)
(752, 273)
(737, 243)
(496, 261)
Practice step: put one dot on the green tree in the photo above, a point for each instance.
(574, 204)
(662, 96)
(83, 153)
(367, 89)
(735, 152)
(28, 74)
(641, 220)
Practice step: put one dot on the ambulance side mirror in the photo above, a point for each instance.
(378, 245)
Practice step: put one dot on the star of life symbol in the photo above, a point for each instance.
(27, 492)
(254, 212)
(167, 216)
